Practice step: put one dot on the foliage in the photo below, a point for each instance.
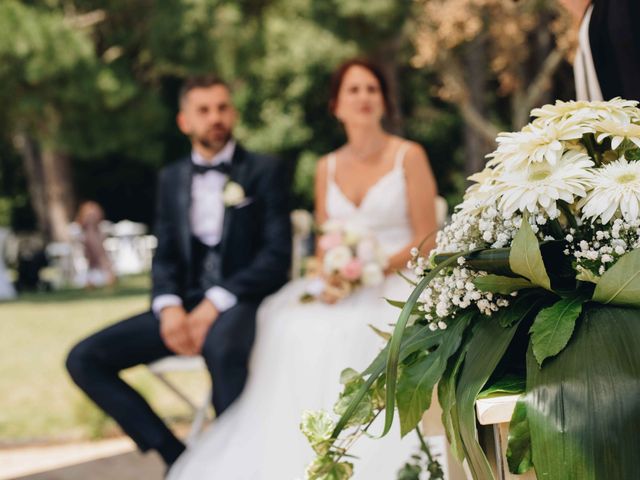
(97, 80)
(504, 287)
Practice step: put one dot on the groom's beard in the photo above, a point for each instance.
(215, 138)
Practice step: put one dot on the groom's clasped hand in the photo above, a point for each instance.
(184, 332)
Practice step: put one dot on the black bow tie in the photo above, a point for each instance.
(222, 167)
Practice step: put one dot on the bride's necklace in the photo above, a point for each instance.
(368, 155)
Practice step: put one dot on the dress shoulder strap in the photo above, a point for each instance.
(331, 167)
(400, 154)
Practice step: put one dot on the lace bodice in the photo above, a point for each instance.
(383, 210)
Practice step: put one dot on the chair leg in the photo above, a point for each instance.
(182, 396)
(198, 420)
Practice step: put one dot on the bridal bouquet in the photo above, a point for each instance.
(351, 257)
(533, 288)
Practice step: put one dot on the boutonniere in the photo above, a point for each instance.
(233, 194)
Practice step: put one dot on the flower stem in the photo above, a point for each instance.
(434, 467)
(564, 206)
(589, 140)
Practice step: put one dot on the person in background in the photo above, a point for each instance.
(100, 271)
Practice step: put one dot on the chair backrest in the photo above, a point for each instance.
(441, 211)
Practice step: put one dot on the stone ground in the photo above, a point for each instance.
(101, 460)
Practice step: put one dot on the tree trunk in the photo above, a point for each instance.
(50, 188)
(30, 154)
(58, 192)
(386, 57)
(475, 145)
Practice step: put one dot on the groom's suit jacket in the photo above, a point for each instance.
(614, 37)
(255, 247)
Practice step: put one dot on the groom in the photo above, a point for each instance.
(224, 243)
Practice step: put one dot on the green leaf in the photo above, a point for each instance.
(525, 258)
(447, 400)
(486, 347)
(417, 337)
(317, 426)
(632, 154)
(519, 441)
(393, 356)
(508, 385)
(400, 304)
(416, 383)
(491, 260)
(349, 375)
(620, 285)
(553, 326)
(500, 284)
(521, 305)
(364, 411)
(386, 336)
(326, 468)
(583, 405)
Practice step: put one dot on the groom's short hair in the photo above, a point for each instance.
(199, 81)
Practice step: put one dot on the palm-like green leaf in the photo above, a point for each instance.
(501, 284)
(486, 347)
(415, 384)
(582, 406)
(393, 356)
(620, 285)
(519, 442)
(447, 399)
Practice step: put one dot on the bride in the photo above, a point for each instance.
(382, 182)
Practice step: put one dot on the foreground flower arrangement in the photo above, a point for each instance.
(533, 288)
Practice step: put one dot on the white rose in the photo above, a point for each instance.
(233, 194)
(336, 258)
(372, 275)
(353, 233)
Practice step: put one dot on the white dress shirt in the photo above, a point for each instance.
(586, 79)
(206, 217)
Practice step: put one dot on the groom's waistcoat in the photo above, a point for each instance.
(253, 256)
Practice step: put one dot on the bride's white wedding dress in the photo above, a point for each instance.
(299, 353)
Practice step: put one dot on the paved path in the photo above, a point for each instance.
(100, 460)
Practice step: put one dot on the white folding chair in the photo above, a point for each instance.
(181, 363)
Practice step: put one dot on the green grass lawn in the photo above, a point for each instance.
(38, 401)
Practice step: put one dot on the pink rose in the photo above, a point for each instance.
(352, 270)
(329, 241)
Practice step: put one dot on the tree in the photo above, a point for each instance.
(476, 46)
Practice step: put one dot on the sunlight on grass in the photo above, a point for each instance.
(39, 401)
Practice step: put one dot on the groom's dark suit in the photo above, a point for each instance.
(614, 37)
(251, 261)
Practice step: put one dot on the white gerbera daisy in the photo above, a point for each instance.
(539, 186)
(616, 189)
(480, 194)
(614, 110)
(537, 143)
(618, 132)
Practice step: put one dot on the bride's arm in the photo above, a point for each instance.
(320, 196)
(421, 195)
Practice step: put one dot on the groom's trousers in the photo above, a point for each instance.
(95, 364)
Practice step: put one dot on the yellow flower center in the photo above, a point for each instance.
(538, 175)
(627, 178)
